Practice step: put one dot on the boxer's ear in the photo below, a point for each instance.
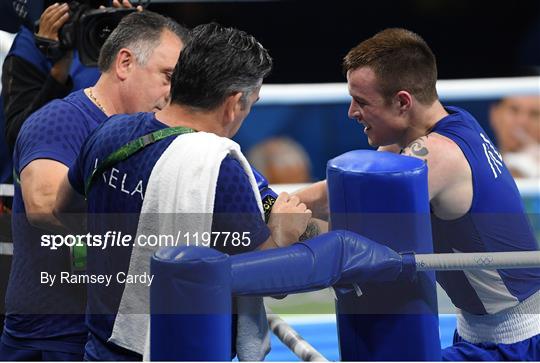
(404, 101)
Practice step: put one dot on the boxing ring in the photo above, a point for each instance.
(194, 321)
(386, 303)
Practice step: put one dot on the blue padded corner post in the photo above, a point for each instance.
(384, 197)
(190, 305)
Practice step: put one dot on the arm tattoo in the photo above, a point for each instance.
(417, 148)
(312, 230)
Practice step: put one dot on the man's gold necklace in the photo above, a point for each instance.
(94, 99)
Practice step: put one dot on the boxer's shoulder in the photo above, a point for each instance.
(435, 148)
(448, 168)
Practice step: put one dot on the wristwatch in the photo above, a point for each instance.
(50, 48)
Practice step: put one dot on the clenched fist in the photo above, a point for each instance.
(288, 220)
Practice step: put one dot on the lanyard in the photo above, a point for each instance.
(131, 148)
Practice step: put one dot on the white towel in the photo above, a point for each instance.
(180, 196)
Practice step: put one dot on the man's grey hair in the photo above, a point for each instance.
(216, 63)
(141, 33)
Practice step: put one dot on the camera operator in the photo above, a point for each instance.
(30, 79)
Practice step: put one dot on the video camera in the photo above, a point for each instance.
(86, 30)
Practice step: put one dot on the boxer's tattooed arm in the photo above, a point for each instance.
(417, 148)
(312, 230)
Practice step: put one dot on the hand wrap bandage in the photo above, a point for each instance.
(268, 196)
